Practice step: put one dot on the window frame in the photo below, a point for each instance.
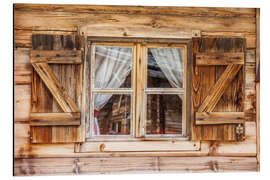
(116, 91)
(137, 42)
(173, 91)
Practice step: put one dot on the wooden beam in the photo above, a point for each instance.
(25, 149)
(140, 146)
(140, 10)
(116, 165)
(258, 84)
(56, 56)
(220, 118)
(54, 119)
(120, 24)
(55, 87)
(219, 88)
(207, 59)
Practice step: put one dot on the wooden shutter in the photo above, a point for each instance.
(218, 89)
(56, 89)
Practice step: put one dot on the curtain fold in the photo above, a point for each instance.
(170, 62)
(112, 66)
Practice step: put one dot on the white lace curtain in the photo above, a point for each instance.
(170, 62)
(112, 66)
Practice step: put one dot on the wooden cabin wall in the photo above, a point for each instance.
(45, 159)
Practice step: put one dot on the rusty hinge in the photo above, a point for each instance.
(239, 131)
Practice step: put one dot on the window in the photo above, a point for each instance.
(138, 94)
(138, 90)
(112, 90)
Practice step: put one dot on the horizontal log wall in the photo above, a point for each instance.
(59, 19)
(74, 166)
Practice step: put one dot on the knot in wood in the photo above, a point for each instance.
(102, 147)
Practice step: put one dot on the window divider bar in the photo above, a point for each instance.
(165, 91)
(112, 91)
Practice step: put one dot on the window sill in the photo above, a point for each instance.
(139, 146)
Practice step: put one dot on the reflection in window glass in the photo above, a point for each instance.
(113, 116)
(164, 114)
(113, 67)
(164, 68)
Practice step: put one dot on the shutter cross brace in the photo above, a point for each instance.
(71, 115)
(205, 114)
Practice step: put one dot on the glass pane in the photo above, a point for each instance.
(113, 67)
(164, 114)
(164, 68)
(112, 114)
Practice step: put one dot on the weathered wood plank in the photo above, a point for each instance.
(154, 10)
(138, 32)
(241, 148)
(23, 37)
(56, 56)
(219, 88)
(219, 118)
(250, 37)
(67, 21)
(21, 139)
(22, 103)
(22, 66)
(61, 166)
(208, 59)
(143, 146)
(250, 87)
(68, 150)
(207, 164)
(55, 87)
(42, 99)
(205, 77)
(54, 119)
(258, 35)
(217, 148)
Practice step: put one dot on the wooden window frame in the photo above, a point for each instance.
(173, 91)
(137, 142)
(115, 91)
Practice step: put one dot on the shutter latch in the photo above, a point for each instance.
(239, 130)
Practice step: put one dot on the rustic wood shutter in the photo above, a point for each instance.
(218, 89)
(56, 89)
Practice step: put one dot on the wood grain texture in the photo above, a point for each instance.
(67, 21)
(258, 35)
(245, 148)
(138, 32)
(55, 87)
(219, 23)
(240, 148)
(154, 10)
(219, 118)
(208, 59)
(250, 86)
(22, 66)
(205, 77)
(75, 166)
(56, 57)
(22, 144)
(219, 88)
(140, 146)
(23, 37)
(22, 103)
(250, 37)
(42, 99)
(54, 119)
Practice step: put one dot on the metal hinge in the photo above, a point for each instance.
(239, 130)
